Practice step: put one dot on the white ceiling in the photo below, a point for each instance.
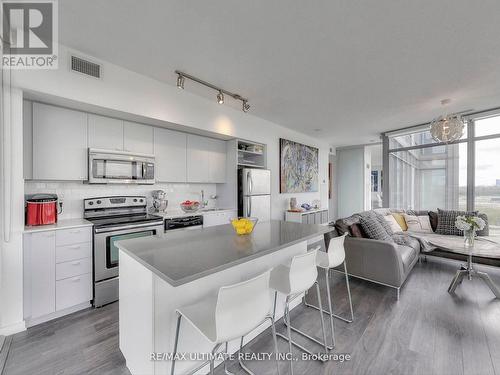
(352, 68)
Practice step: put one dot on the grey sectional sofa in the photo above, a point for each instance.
(385, 262)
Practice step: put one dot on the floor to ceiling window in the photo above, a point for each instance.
(425, 175)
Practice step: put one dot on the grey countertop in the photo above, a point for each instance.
(171, 213)
(61, 224)
(180, 257)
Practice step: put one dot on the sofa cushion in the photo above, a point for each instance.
(374, 229)
(433, 217)
(446, 221)
(395, 227)
(408, 255)
(384, 224)
(356, 230)
(406, 240)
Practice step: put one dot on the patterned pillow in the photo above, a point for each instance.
(446, 221)
(420, 223)
(374, 229)
(384, 224)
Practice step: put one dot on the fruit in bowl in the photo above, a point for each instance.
(243, 225)
(190, 206)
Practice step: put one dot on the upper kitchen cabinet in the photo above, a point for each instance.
(137, 138)
(59, 143)
(105, 132)
(170, 155)
(206, 159)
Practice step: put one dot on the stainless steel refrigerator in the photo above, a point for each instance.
(254, 193)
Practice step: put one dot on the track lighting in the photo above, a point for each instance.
(180, 81)
(181, 76)
(220, 98)
(245, 106)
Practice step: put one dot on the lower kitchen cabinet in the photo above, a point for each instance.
(318, 216)
(214, 218)
(57, 273)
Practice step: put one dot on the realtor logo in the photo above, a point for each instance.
(29, 34)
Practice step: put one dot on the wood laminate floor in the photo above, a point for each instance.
(427, 332)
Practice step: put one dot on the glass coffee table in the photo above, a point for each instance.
(486, 247)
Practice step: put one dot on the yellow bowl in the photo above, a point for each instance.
(243, 225)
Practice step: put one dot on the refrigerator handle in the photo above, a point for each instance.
(249, 207)
(249, 182)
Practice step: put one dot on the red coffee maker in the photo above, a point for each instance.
(41, 209)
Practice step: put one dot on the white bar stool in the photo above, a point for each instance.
(235, 312)
(328, 261)
(293, 281)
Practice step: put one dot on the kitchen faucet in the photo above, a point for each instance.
(203, 202)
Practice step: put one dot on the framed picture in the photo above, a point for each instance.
(298, 167)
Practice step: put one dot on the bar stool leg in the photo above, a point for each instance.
(179, 317)
(322, 319)
(289, 332)
(330, 305)
(275, 339)
(348, 293)
(212, 366)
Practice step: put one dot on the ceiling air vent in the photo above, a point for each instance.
(86, 67)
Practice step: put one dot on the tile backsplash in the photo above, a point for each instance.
(73, 193)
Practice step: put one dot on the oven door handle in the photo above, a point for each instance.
(153, 225)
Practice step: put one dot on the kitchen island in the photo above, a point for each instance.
(159, 274)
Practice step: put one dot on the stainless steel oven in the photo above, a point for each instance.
(118, 167)
(115, 219)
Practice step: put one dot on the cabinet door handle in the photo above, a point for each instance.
(74, 247)
(76, 263)
(49, 235)
(75, 279)
(74, 231)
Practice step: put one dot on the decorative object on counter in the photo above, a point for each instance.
(244, 225)
(306, 206)
(293, 204)
(298, 167)
(316, 204)
(42, 209)
(190, 206)
(160, 202)
(469, 225)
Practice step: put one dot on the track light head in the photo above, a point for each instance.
(180, 81)
(220, 98)
(246, 106)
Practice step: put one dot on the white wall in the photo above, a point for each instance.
(126, 91)
(350, 181)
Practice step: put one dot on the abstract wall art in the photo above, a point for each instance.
(298, 167)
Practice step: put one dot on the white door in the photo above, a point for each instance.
(42, 269)
(105, 132)
(198, 158)
(170, 155)
(137, 138)
(217, 161)
(258, 206)
(59, 143)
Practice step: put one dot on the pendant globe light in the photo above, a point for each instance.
(447, 128)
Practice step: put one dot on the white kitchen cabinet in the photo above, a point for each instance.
(59, 143)
(315, 216)
(40, 258)
(206, 159)
(214, 218)
(217, 161)
(105, 132)
(170, 155)
(57, 273)
(137, 138)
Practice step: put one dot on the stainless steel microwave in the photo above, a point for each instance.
(118, 167)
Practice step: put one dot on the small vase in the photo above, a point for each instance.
(469, 237)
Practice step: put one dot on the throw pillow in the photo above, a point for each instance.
(433, 216)
(400, 220)
(446, 221)
(384, 224)
(418, 223)
(373, 229)
(356, 231)
(395, 227)
(486, 230)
